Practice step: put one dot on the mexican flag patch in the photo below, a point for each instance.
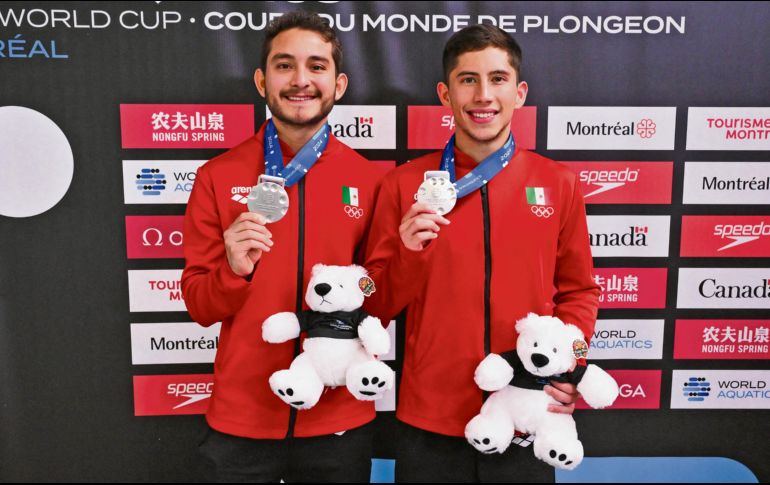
(350, 196)
(537, 196)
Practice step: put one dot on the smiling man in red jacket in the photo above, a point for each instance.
(239, 269)
(515, 242)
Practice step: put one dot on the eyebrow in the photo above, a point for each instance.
(282, 56)
(473, 73)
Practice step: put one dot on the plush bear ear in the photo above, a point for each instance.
(573, 332)
(527, 323)
(360, 271)
(361, 278)
(317, 268)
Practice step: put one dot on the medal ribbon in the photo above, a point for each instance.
(483, 173)
(302, 161)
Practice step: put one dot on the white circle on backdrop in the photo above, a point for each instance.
(36, 162)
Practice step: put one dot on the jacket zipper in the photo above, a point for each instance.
(487, 272)
(300, 275)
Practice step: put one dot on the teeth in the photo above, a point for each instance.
(482, 115)
(300, 98)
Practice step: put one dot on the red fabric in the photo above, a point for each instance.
(539, 264)
(242, 403)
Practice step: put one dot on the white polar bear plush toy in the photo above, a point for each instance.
(546, 350)
(342, 340)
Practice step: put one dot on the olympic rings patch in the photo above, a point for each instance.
(541, 211)
(354, 212)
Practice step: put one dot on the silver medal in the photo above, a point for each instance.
(269, 198)
(437, 192)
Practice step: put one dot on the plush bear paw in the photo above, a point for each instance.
(488, 435)
(296, 390)
(370, 380)
(598, 388)
(564, 454)
(375, 339)
(493, 373)
(280, 328)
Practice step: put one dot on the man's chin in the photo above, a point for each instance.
(299, 117)
(486, 135)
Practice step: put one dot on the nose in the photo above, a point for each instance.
(323, 288)
(483, 92)
(539, 360)
(300, 78)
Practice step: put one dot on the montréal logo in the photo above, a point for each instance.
(709, 288)
(634, 237)
(645, 128)
(360, 128)
(696, 389)
(608, 179)
(149, 181)
(741, 233)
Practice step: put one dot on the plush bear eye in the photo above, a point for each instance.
(535, 344)
(554, 350)
(342, 287)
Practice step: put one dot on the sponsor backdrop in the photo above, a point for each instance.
(108, 109)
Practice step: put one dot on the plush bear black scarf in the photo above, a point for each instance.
(341, 325)
(522, 378)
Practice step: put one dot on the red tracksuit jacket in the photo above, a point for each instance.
(499, 258)
(316, 229)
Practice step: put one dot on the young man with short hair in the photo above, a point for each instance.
(515, 242)
(240, 269)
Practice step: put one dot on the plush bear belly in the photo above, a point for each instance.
(526, 407)
(331, 357)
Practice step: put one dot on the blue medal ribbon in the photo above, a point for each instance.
(302, 161)
(483, 173)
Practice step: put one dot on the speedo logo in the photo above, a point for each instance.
(608, 179)
(239, 194)
(193, 391)
(740, 233)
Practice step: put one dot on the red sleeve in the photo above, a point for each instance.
(211, 290)
(577, 295)
(398, 273)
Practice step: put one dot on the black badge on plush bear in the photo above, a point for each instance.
(367, 286)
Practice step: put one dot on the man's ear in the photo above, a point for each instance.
(521, 94)
(443, 94)
(341, 85)
(259, 81)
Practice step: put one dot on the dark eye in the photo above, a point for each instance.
(535, 344)
(342, 287)
(554, 350)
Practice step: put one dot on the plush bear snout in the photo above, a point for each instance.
(539, 360)
(323, 288)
